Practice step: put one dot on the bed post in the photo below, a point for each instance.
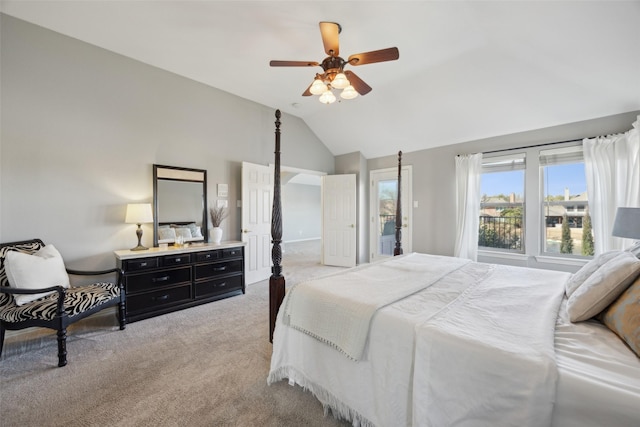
(398, 249)
(276, 281)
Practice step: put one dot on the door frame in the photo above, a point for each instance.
(407, 208)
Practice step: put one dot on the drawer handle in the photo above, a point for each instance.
(160, 298)
(220, 268)
(160, 279)
(143, 264)
(223, 284)
(178, 259)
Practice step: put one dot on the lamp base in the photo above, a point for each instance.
(139, 247)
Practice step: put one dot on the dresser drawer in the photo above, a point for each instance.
(171, 260)
(204, 271)
(141, 264)
(218, 286)
(157, 279)
(207, 256)
(231, 252)
(156, 299)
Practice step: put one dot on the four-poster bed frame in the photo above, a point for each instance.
(412, 340)
(276, 281)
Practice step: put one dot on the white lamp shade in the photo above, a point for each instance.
(349, 93)
(340, 81)
(138, 213)
(318, 87)
(328, 97)
(627, 223)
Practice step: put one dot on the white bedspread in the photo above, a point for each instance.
(338, 309)
(487, 358)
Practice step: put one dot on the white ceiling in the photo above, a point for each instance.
(467, 69)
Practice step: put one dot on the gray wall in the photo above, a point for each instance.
(301, 212)
(82, 127)
(434, 223)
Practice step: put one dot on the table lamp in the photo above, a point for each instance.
(627, 223)
(139, 213)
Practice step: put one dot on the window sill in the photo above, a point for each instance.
(503, 255)
(577, 262)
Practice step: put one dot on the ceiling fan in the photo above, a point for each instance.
(334, 75)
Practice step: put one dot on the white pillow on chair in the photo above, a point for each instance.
(43, 269)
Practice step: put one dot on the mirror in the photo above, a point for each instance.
(180, 205)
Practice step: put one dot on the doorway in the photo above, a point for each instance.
(383, 197)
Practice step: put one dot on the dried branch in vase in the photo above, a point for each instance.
(218, 214)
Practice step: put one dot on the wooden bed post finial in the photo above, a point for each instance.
(398, 249)
(276, 281)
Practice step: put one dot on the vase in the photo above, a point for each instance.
(216, 234)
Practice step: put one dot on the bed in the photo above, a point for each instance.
(428, 340)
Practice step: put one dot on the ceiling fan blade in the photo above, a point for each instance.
(293, 63)
(308, 91)
(382, 55)
(358, 84)
(329, 32)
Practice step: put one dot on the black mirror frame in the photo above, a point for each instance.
(205, 231)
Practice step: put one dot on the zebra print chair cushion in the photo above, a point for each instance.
(77, 300)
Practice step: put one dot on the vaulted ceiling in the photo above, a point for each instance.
(467, 69)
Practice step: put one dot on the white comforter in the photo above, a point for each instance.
(338, 309)
(391, 384)
(487, 358)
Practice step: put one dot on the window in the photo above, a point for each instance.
(565, 204)
(535, 203)
(502, 203)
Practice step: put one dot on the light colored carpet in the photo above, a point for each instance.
(203, 366)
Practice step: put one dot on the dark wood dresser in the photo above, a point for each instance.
(159, 281)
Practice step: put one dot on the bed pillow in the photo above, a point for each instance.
(43, 269)
(623, 316)
(603, 287)
(587, 270)
(635, 249)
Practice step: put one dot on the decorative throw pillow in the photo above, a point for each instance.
(623, 316)
(184, 232)
(166, 233)
(587, 270)
(192, 228)
(43, 269)
(603, 287)
(198, 232)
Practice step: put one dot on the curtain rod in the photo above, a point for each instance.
(533, 146)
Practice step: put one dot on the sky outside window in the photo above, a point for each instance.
(557, 178)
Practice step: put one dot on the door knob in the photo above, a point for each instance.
(246, 231)
(352, 226)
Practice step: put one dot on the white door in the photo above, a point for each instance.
(257, 200)
(383, 197)
(339, 220)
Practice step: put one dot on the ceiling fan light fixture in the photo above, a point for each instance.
(318, 87)
(328, 97)
(340, 81)
(348, 93)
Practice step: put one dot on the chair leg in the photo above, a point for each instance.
(121, 315)
(1, 338)
(62, 347)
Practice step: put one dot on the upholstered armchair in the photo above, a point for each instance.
(55, 305)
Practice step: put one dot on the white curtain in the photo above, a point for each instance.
(468, 172)
(612, 168)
